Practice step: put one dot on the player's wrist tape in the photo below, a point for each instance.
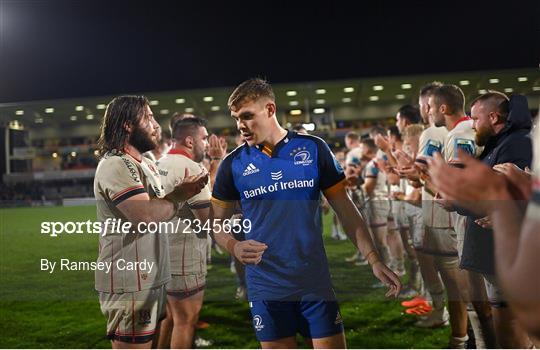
(230, 245)
(372, 257)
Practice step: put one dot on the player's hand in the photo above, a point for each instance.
(484, 222)
(382, 142)
(190, 186)
(518, 180)
(476, 187)
(217, 147)
(388, 277)
(249, 252)
(403, 159)
(444, 203)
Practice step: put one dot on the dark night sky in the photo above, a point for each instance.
(57, 49)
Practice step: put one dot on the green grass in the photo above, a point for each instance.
(60, 310)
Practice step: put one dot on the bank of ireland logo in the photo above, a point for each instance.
(257, 323)
(301, 156)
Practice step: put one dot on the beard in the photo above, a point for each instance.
(142, 140)
(482, 136)
(198, 155)
(439, 121)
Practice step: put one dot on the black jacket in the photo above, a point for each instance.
(511, 145)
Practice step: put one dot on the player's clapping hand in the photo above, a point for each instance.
(476, 187)
(382, 142)
(217, 147)
(190, 186)
(518, 180)
(249, 252)
(388, 277)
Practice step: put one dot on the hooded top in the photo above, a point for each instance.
(511, 145)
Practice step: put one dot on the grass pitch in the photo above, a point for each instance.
(61, 310)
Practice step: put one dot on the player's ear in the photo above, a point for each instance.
(443, 108)
(128, 127)
(271, 108)
(189, 141)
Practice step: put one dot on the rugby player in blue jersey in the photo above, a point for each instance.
(277, 176)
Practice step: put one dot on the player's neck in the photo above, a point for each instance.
(277, 135)
(133, 152)
(180, 149)
(452, 120)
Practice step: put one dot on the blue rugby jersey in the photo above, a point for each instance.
(279, 191)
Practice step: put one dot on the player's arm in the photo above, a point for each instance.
(248, 251)
(141, 208)
(369, 185)
(216, 151)
(357, 230)
(517, 244)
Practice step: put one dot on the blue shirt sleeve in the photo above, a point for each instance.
(330, 172)
(224, 188)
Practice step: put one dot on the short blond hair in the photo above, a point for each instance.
(413, 130)
(250, 90)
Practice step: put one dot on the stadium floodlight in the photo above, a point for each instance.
(482, 91)
(291, 93)
(164, 111)
(464, 82)
(73, 154)
(208, 98)
(295, 112)
(319, 110)
(406, 86)
(90, 117)
(215, 108)
(49, 110)
(293, 103)
(19, 112)
(79, 108)
(309, 126)
(508, 90)
(55, 155)
(348, 89)
(374, 98)
(154, 102)
(101, 106)
(320, 101)
(493, 81)
(320, 91)
(522, 79)
(378, 88)
(180, 100)
(346, 99)
(38, 120)
(536, 88)
(400, 96)
(188, 110)
(73, 118)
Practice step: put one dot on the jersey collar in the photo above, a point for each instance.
(462, 119)
(271, 151)
(180, 152)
